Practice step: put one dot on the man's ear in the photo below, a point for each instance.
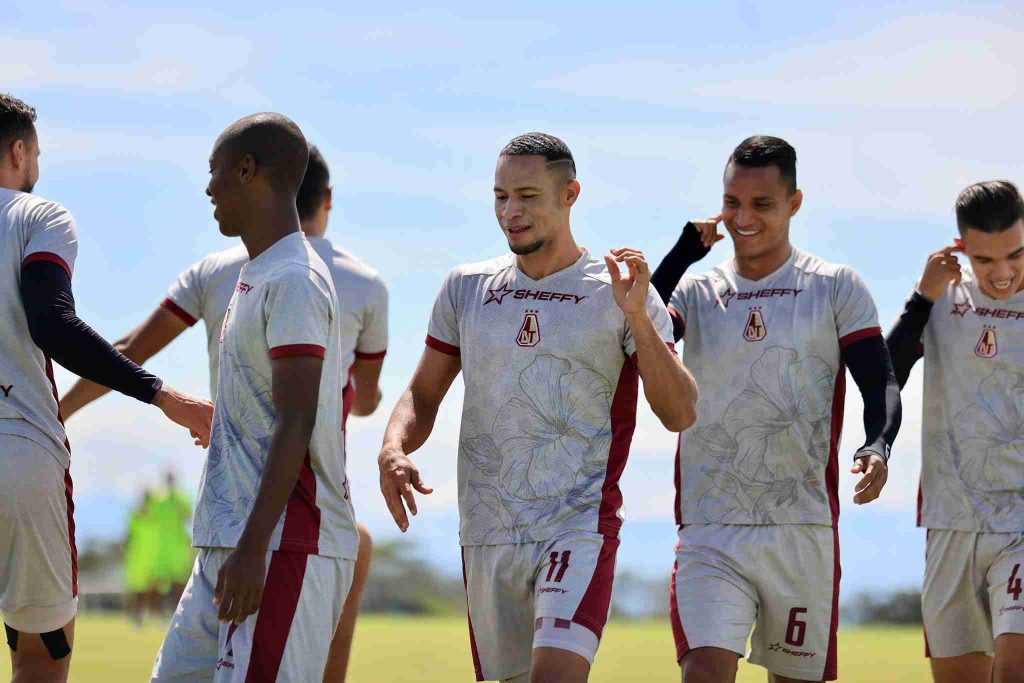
(796, 200)
(328, 199)
(246, 169)
(571, 192)
(18, 151)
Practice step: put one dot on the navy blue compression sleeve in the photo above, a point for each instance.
(868, 360)
(61, 335)
(904, 341)
(687, 251)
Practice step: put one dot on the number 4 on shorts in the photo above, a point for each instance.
(1013, 585)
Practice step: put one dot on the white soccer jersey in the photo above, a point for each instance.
(204, 290)
(766, 355)
(284, 304)
(31, 229)
(972, 474)
(550, 402)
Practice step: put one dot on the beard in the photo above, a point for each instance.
(526, 248)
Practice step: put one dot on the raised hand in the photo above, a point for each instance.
(943, 267)
(630, 291)
(194, 414)
(707, 231)
(876, 473)
(398, 477)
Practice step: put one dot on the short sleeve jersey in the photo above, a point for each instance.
(31, 229)
(972, 475)
(766, 355)
(550, 397)
(284, 305)
(204, 290)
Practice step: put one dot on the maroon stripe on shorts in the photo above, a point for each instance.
(69, 489)
(682, 646)
(593, 608)
(623, 422)
(472, 638)
(277, 610)
(831, 657)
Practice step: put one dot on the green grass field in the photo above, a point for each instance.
(413, 650)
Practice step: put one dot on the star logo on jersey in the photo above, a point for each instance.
(775, 647)
(961, 309)
(729, 295)
(755, 329)
(987, 346)
(498, 294)
(529, 332)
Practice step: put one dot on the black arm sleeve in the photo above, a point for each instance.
(871, 368)
(687, 251)
(904, 341)
(60, 334)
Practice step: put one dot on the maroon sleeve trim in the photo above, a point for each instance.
(675, 314)
(178, 311)
(47, 256)
(371, 356)
(441, 346)
(289, 350)
(858, 335)
(671, 346)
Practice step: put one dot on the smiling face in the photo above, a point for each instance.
(532, 199)
(757, 206)
(226, 189)
(997, 259)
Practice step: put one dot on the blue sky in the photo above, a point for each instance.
(891, 114)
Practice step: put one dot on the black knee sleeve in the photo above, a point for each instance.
(12, 638)
(56, 643)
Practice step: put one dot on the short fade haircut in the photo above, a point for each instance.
(992, 206)
(760, 151)
(314, 185)
(275, 142)
(17, 121)
(554, 151)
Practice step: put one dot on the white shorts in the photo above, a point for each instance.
(553, 593)
(782, 580)
(287, 640)
(972, 590)
(38, 567)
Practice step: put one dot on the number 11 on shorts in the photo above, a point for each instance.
(561, 564)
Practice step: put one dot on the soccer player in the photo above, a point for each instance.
(968, 324)
(551, 342)
(273, 520)
(204, 292)
(768, 334)
(38, 246)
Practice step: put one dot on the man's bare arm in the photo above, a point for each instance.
(295, 388)
(145, 341)
(411, 422)
(669, 387)
(365, 377)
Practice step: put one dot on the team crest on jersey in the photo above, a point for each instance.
(987, 346)
(755, 329)
(529, 332)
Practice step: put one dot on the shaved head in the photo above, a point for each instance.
(275, 144)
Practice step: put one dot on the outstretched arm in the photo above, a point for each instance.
(693, 244)
(868, 360)
(411, 422)
(668, 386)
(145, 341)
(58, 331)
(295, 386)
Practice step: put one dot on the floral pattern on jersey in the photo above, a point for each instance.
(975, 460)
(545, 457)
(238, 446)
(785, 409)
